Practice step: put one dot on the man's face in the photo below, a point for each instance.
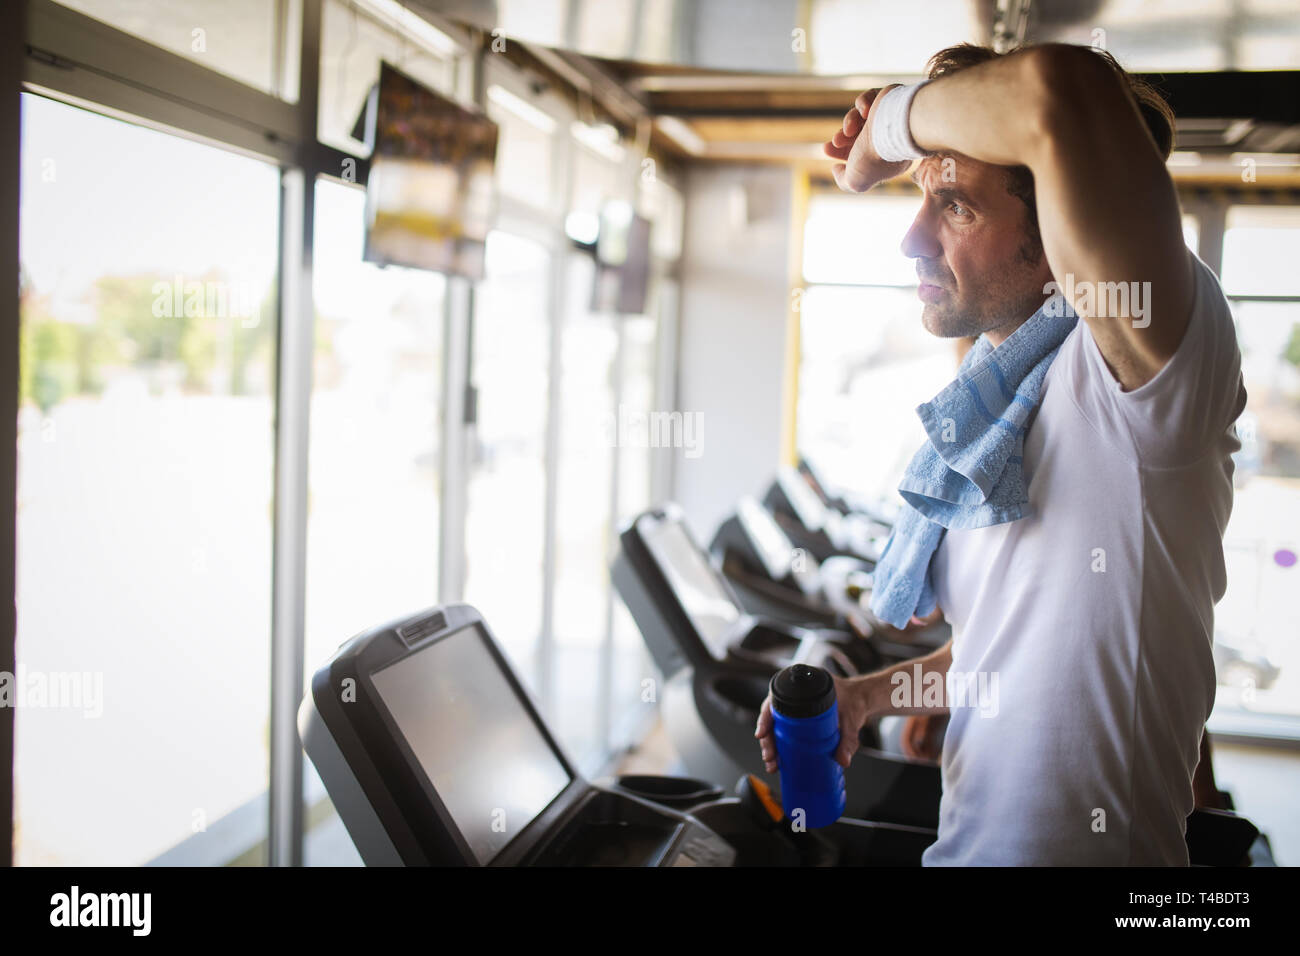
(980, 270)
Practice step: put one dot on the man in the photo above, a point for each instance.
(1044, 181)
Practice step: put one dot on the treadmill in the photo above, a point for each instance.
(716, 661)
(434, 754)
(814, 526)
(772, 579)
(769, 575)
(844, 502)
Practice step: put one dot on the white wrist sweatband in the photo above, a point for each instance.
(891, 137)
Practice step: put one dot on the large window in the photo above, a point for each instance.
(865, 360)
(585, 473)
(375, 424)
(145, 484)
(372, 532)
(505, 521)
(1258, 619)
(193, 407)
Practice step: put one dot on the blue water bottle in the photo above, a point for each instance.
(807, 730)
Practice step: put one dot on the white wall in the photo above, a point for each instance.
(731, 346)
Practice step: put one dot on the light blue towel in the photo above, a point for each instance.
(969, 474)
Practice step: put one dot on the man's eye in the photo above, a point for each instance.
(958, 208)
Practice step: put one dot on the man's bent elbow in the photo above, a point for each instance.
(1073, 94)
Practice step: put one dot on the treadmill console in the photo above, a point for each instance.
(697, 585)
(433, 753)
(774, 549)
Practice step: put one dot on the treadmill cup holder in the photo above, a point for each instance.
(678, 793)
(770, 642)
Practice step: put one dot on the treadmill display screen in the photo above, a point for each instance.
(772, 544)
(482, 751)
(711, 609)
(803, 499)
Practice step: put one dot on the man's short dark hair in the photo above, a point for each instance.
(1156, 114)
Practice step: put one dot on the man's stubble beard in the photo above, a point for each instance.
(983, 310)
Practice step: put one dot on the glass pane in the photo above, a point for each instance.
(372, 533)
(375, 419)
(507, 486)
(1258, 618)
(851, 239)
(631, 664)
(638, 398)
(1261, 246)
(145, 490)
(1191, 232)
(234, 37)
(353, 41)
(865, 364)
(587, 448)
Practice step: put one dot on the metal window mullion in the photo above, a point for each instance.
(289, 548)
(10, 163)
(454, 465)
(545, 655)
(294, 347)
(666, 387)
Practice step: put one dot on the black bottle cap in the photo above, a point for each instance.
(801, 690)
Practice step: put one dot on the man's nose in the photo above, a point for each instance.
(920, 241)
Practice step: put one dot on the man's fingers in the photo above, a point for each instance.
(852, 124)
(908, 740)
(836, 152)
(863, 103)
(764, 726)
(847, 745)
(766, 743)
(842, 141)
(844, 754)
(839, 172)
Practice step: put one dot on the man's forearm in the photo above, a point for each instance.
(1004, 111)
(878, 690)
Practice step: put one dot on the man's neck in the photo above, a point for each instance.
(999, 335)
